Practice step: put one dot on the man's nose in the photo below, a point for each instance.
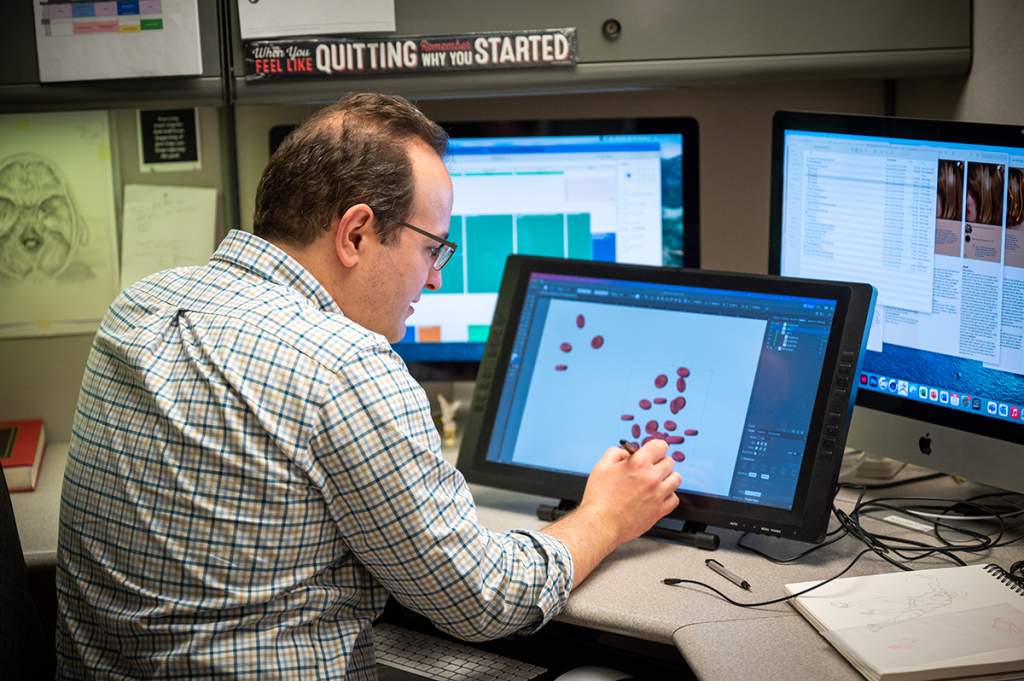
(433, 280)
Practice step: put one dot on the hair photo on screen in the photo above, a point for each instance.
(1015, 198)
(983, 212)
(1014, 256)
(948, 207)
(985, 193)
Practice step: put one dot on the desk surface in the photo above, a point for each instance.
(625, 594)
(37, 512)
(721, 641)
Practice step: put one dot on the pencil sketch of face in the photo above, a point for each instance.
(40, 226)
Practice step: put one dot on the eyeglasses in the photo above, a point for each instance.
(443, 253)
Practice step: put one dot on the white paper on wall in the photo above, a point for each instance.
(100, 40)
(165, 227)
(58, 226)
(278, 18)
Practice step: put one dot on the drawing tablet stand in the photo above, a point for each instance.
(692, 533)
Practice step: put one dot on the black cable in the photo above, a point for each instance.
(676, 582)
(984, 541)
(897, 483)
(886, 547)
(799, 556)
(1016, 572)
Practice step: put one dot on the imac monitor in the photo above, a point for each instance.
(931, 214)
(747, 378)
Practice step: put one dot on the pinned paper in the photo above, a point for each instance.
(58, 245)
(166, 227)
(100, 40)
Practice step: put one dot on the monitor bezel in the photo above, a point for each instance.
(908, 128)
(806, 521)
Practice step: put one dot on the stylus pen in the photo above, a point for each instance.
(628, 446)
(720, 569)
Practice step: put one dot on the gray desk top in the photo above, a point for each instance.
(625, 595)
(37, 512)
(720, 641)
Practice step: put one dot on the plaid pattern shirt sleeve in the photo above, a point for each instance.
(409, 517)
(251, 475)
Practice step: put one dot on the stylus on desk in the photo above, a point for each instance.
(734, 578)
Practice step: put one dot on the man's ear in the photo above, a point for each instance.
(351, 231)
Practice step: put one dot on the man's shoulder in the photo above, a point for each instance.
(219, 299)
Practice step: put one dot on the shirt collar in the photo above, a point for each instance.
(264, 259)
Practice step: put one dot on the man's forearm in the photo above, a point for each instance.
(588, 539)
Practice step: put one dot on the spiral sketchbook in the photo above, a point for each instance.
(944, 623)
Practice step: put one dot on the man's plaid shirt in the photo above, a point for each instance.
(250, 475)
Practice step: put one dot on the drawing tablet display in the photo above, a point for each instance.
(748, 378)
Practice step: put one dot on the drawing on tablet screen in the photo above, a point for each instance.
(659, 402)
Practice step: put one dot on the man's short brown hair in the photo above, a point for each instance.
(347, 153)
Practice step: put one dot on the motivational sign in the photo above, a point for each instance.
(168, 140)
(326, 57)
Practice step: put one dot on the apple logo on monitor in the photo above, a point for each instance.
(925, 443)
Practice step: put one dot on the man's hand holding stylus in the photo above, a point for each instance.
(625, 495)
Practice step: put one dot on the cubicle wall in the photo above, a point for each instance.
(729, 64)
(668, 43)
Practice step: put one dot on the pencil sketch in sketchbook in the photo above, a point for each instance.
(41, 227)
(904, 608)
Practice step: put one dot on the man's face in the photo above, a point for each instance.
(399, 273)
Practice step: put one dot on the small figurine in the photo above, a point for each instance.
(448, 409)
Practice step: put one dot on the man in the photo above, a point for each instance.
(252, 469)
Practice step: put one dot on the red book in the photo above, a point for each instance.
(22, 444)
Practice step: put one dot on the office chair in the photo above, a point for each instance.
(26, 651)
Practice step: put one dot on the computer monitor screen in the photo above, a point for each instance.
(616, 190)
(931, 213)
(746, 378)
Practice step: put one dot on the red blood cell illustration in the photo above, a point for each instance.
(580, 321)
(561, 367)
(651, 427)
(660, 381)
(675, 439)
(669, 425)
(683, 372)
(658, 435)
(660, 400)
(645, 404)
(597, 342)
(645, 441)
(689, 432)
(565, 347)
(636, 430)
(677, 404)
(680, 385)
(679, 456)
(627, 417)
